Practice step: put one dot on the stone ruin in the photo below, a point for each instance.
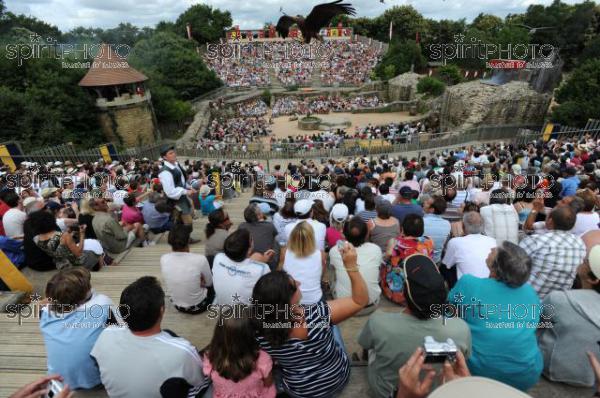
(403, 87)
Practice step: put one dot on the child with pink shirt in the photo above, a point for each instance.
(237, 366)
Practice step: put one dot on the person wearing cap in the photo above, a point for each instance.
(404, 205)
(303, 210)
(337, 219)
(503, 313)
(263, 232)
(206, 200)
(391, 337)
(574, 322)
(369, 259)
(173, 180)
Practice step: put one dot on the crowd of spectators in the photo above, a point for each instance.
(511, 230)
(322, 104)
(223, 132)
(347, 62)
(250, 108)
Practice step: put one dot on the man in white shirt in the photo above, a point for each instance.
(468, 253)
(500, 219)
(303, 210)
(14, 219)
(187, 275)
(137, 361)
(237, 269)
(369, 260)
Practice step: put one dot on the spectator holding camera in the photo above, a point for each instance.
(67, 249)
(391, 337)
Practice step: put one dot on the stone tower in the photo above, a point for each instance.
(124, 103)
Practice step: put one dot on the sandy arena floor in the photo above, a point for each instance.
(282, 127)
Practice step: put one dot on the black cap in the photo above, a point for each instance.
(424, 284)
(166, 148)
(406, 192)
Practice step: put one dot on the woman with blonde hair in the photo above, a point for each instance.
(303, 260)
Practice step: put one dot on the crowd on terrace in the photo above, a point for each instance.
(506, 227)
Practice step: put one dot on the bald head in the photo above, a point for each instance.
(472, 223)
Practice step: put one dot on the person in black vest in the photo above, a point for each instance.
(173, 180)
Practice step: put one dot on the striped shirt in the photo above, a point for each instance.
(555, 256)
(315, 367)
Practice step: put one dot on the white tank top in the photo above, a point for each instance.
(308, 272)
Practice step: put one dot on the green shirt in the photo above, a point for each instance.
(392, 337)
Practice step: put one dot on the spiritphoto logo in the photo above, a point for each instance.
(50, 48)
(497, 316)
(280, 53)
(94, 315)
(475, 48)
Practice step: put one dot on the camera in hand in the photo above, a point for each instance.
(54, 388)
(74, 229)
(438, 352)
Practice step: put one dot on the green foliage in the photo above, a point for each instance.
(389, 72)
(487, 23)
(293, 87)
(450, 74)
(402, 55)
(207, 24)
(266, 96)
(175, 72)
(42, 105)
(431, 86)
(406, 22)
(579, 97)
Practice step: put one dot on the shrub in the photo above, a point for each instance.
(431, 86)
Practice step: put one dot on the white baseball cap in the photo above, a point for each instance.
(476, 387)
(303, 206)
(339, 212)
(594, 261)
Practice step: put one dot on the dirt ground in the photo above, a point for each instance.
(282, 127)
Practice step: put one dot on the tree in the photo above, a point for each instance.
(2, 8)
(579, 97)
(175, 71)
(487, 23)
(207, 24)
(42, 105)
(407, 21)
(125, 33)
(450, 74)
(402, 55)
(431, 86)
(389, 71)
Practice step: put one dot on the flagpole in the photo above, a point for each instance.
(391, 27)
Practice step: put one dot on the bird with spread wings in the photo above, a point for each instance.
(320, 16)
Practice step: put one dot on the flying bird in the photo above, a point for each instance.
(533, 30)
(320, 16)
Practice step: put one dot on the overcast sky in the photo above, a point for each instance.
(67, 14)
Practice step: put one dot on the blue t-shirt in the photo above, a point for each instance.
(503, 322)
(69, 339)
(401, 210)
(207, 204)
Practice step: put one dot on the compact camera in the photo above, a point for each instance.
(438, 352)
(54, 388)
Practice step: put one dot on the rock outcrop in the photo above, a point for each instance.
(473, 103)
(403, 87)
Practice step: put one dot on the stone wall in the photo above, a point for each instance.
(130, 126)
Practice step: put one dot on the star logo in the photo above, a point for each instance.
(459, 297)
(35, 297)
(459, 38)
(35, 38)
(236, 298)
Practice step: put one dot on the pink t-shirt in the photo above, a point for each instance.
(332, 235)
(250, 387)
(131, 215)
